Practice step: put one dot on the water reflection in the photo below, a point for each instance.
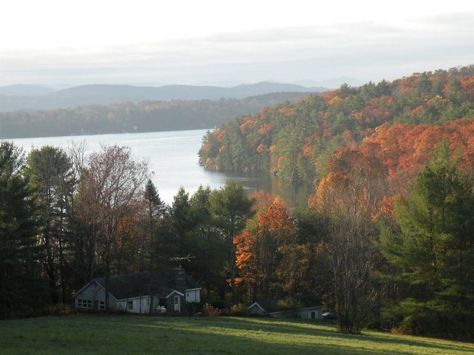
(295, 196)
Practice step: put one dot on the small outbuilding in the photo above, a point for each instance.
(263, 308)
(311, 313)
(255, 309)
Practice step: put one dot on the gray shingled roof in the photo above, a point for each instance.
(145, 283)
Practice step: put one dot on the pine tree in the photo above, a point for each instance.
(434, 250)
(49, 172)
(182, 219)
(156, 206)
(231, 207)
(20, 281)
(155, 216)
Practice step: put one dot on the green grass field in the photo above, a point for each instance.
(122, 334)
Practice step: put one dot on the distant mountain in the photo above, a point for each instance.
(24, 90)
(109, 94)
(332, 83)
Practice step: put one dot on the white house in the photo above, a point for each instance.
(143, 292)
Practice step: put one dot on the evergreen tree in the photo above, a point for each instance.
(151, 246)
(434, 251)
(20, 281)
(231, 207)
(206, 246)
(182, 218)
(49, 172)
(155, 204)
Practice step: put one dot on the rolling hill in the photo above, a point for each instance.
(27, 98)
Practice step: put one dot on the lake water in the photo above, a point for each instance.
(172, 158)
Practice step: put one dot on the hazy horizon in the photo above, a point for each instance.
(212, 43)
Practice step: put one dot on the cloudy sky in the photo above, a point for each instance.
(155, 42)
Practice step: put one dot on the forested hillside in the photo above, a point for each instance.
(388, 228)
(145, 116)
(296, 141)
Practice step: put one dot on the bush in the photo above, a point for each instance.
(209, 310)
(193, 308)
(237, 310)
(60, 309)
(287, 303)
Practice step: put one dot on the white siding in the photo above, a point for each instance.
(193, 295)
(135, 304)
(90, 298)
(314, 313)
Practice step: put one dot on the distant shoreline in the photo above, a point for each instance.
(129, 117)
(103, 134)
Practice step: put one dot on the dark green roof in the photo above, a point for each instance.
(145, 283)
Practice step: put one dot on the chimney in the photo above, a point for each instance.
(180, 279)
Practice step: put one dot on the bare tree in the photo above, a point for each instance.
(351, 201)
(110, 188)
(83, 234)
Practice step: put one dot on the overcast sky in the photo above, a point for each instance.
(154, 42)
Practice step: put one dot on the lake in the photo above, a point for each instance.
(172, 158)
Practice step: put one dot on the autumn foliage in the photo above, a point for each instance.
(294, 141)
(261, 246)
(392, 157)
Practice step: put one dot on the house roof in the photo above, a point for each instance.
(257, 305)
(173, 292)
(290, 311)
(145, 283)
(266, 304)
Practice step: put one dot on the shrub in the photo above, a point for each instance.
(287, 303)
(193, 308)
(209, 310)
(237, 310)
(60, 309)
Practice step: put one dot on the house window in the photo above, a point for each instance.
(102, 305)
(130, 305)
(84, 303)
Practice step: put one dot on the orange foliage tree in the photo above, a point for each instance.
(260, 247)
(394, 154)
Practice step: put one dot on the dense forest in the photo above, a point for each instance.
(389, 221)
(146, 116)
(296, 141)
(66, 217)
(386, 240)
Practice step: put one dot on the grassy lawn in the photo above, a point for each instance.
(121, 334)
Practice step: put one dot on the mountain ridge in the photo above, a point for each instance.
(105, 94)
